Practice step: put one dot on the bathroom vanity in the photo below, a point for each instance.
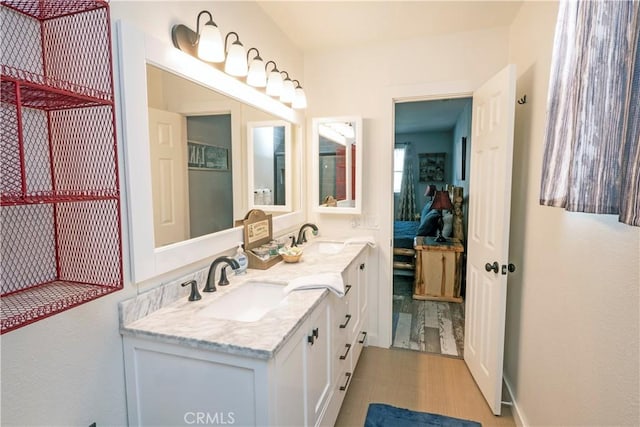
(244, 355)
(218, 361)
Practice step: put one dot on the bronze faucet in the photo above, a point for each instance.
(210, 287)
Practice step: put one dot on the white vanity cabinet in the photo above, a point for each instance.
(172, 380)
(176, 385)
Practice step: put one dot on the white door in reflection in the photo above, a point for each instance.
(169, 177)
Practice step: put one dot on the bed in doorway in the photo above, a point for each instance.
(404, 232)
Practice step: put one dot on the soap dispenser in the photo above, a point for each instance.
(241, 257)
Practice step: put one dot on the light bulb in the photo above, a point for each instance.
(210, 46)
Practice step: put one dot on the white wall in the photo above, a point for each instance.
(67, 369)
(572, 337)
(364, 81)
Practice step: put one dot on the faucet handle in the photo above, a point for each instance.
(195, 295)
(223, 276)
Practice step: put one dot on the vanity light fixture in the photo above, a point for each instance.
(206, 44)
(327, 131)
(299, 99)
(257, 76)
(288, 90)
(274, 81)
(236, 63)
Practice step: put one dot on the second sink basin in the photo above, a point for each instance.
(327, 248)
(249, 303)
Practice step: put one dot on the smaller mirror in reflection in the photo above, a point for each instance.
(337, 165)
(268, 143)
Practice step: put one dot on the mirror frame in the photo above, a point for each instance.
(287, 165)
(135, 50)
(316, 122)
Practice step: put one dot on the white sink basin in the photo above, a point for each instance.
(327, 248)
(249, 303)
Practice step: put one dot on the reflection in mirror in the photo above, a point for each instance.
(192, 149)
(243, 103)
(337, 151)
(267, 146)
(338, 148)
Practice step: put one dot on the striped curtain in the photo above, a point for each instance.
(592, 141)
(407, 202)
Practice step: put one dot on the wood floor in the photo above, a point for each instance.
(431, 326)
(417, 381)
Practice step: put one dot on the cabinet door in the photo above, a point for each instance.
(317, 352)
(290, 398)
(169, 385)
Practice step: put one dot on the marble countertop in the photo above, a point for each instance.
(179, 322)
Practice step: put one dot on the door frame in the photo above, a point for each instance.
(399, 94)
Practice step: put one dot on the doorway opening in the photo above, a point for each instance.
(431, 180)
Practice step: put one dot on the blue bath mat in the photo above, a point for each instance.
(381, 415)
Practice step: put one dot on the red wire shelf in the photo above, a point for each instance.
(50, 9)
(46, 93)
(12, 199)
(61, 242)
(30, 305)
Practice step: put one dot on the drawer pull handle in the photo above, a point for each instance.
(344, 356)
(314, 336)
(344, 325)
(348, 288)
(364, 337)
(344, 387)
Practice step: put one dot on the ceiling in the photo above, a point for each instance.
(321, 25)
(326, 24)
(428, 116)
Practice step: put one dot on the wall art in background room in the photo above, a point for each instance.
(209, 157)
(431, 167)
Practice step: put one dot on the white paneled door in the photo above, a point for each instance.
(169, 176)
(488, 235)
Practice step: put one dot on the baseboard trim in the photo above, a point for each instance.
(518, 416)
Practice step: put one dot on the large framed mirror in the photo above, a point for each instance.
(269, 165)
(171, 99)
(337, 165)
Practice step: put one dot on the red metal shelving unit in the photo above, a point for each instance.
(59, 190)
